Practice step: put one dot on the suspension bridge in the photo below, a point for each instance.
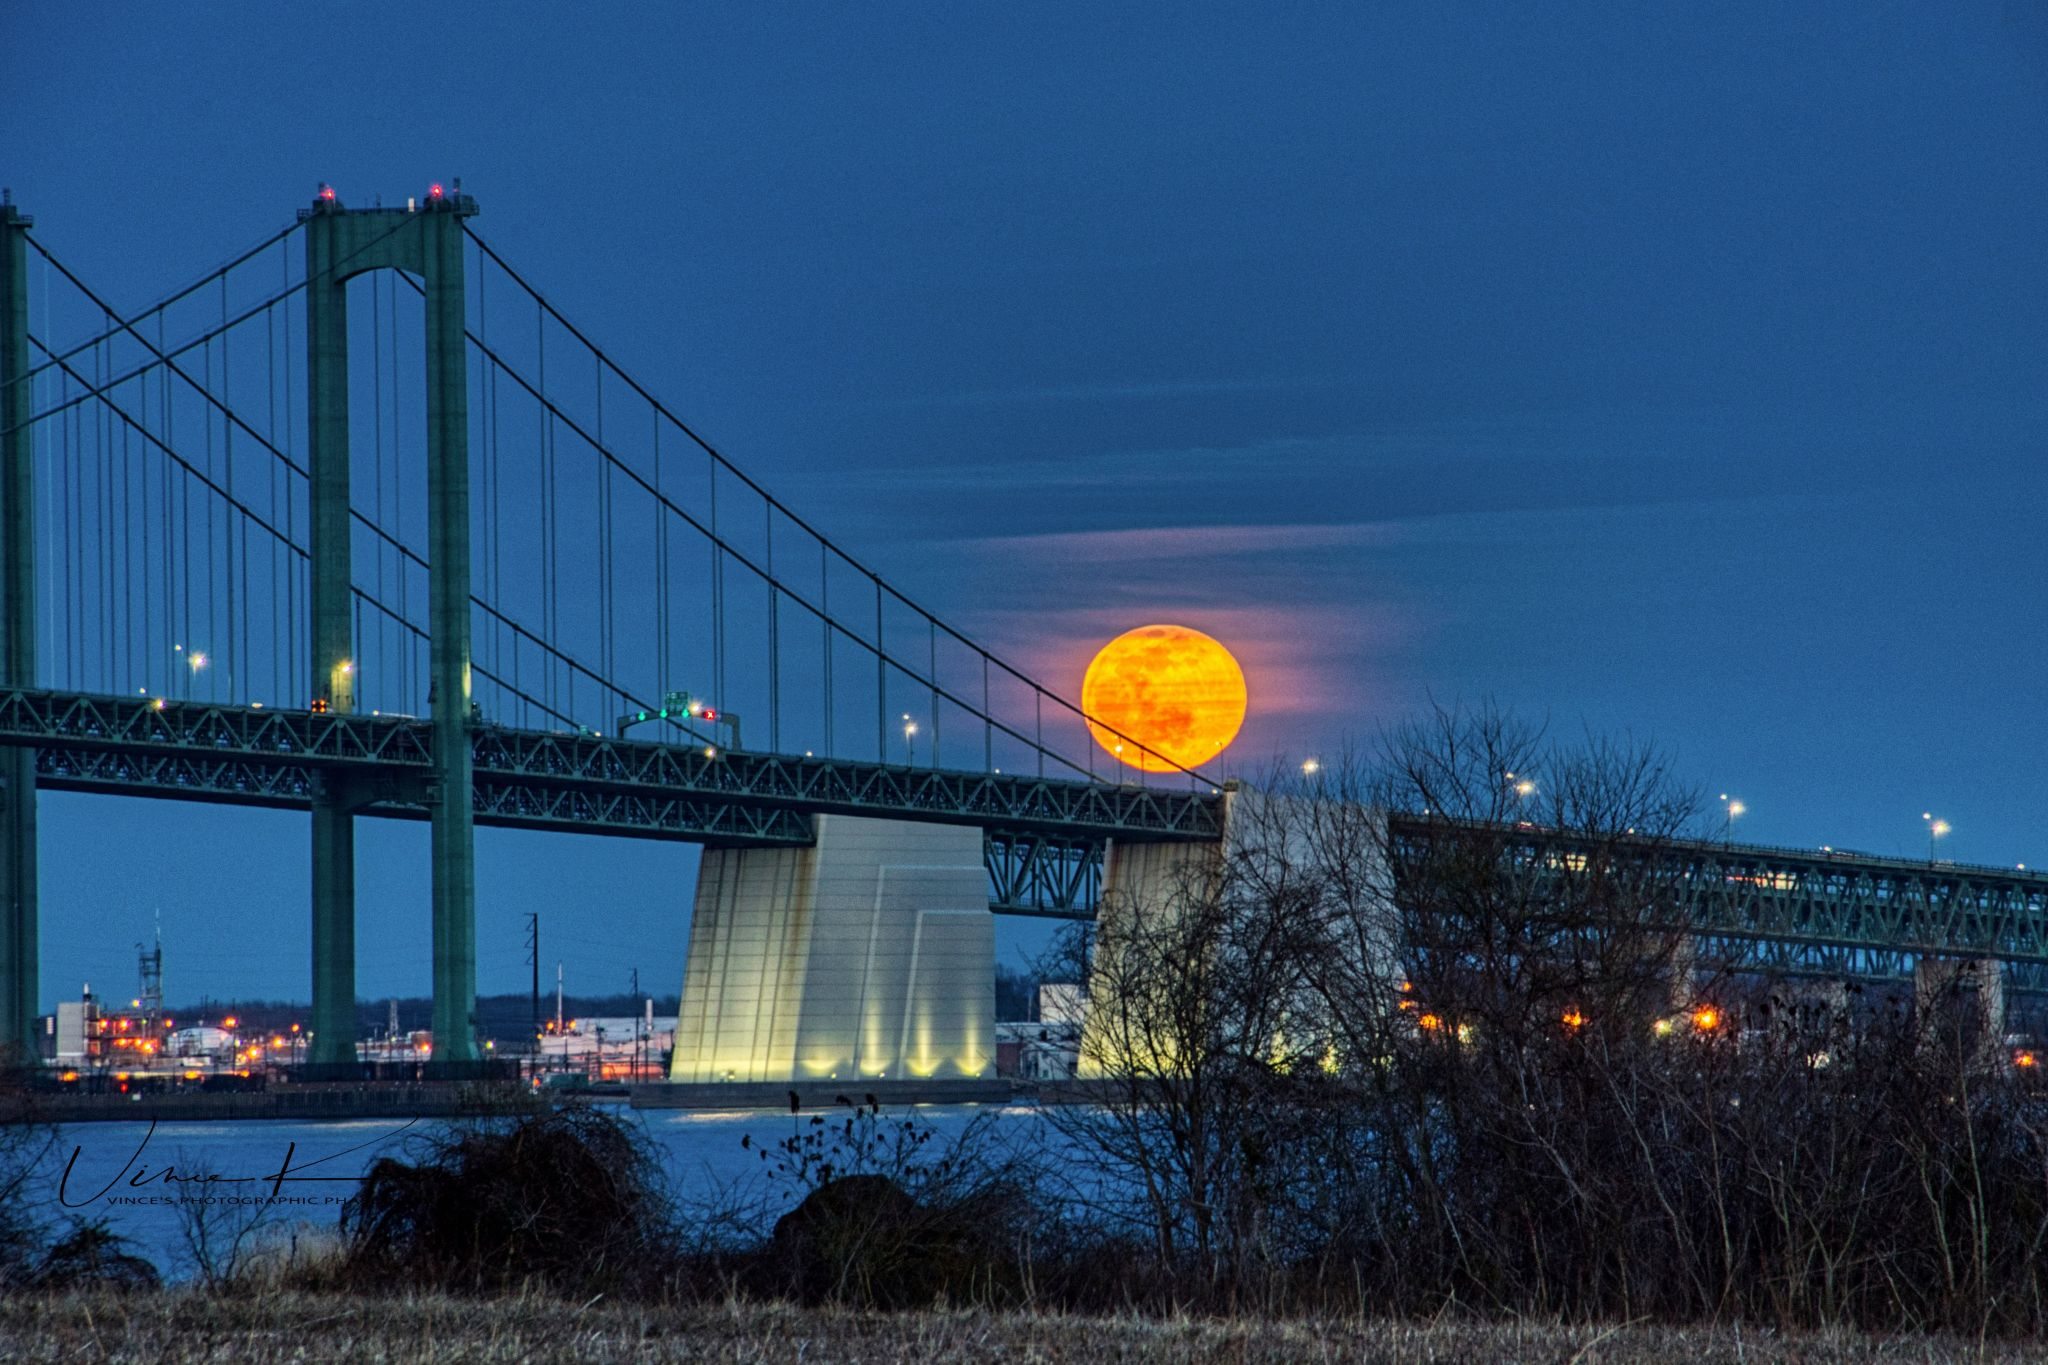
(361, 523)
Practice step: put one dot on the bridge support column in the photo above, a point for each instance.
(19, 975)
(454, 793)
(1147, 879)
(1959, 1004)
(870, 956)
(333, 657)
(426, 241)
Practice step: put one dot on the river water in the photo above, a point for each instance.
(134, 1177)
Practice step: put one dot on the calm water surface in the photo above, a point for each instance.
(133, 1178)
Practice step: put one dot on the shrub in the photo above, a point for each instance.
(570, 1200)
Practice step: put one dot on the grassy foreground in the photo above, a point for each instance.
(174, 1326)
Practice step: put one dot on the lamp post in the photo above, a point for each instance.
(909, 734)
(195, 661)
(1935, 829)
(1730, 809)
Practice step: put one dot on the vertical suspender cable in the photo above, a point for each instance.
(102, 501)
(604, 538)
(378, 660)
(278, 648)
(69, 461)
(211, 644)
(774, 636)
(125, 663)
(408, 643)
(661, 673)
(230, 522)
(293, 647)
(825, 628)
(717, 593)
(881, 680)
(48, 654)
(168, 584)
(547, 511)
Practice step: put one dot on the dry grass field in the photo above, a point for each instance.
(190, 1326)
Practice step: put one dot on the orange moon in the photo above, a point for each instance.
(1170, 688)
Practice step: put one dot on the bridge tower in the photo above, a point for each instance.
(18, 947)
(342, 243)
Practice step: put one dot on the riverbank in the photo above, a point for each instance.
(471, 1099)
(189, 1327)
(342, 1101)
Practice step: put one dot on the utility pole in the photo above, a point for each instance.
(533, 961)
(636, 1025)
(558, 1012)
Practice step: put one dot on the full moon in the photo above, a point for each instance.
(1172, 689)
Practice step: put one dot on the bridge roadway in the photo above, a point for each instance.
(1044, 838)
(1823, 912)
(1800, 910)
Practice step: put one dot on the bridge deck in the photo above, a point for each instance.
(1045, 837)
(1820, 910)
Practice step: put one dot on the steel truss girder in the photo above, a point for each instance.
(1048, 862)
(523, 805)
(1791, 901)
(1044, 875)
(143, 728)
(823, 785)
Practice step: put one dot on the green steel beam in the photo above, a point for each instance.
(333, 671)
(18, 929)
(425, 241)
(184, 742)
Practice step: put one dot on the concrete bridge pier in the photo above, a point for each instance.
(869, 956)
(1959, 1002)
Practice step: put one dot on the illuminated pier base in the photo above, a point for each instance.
(869, 955)
(1147, 879)
(1962, 998)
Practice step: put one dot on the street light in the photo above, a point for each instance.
(1732, 808)
(1935, 829)
(909, 730)
(1311, 767)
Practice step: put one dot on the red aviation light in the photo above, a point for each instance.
(327, 193)
(434, 190)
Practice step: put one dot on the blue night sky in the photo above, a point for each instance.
(1669, 373)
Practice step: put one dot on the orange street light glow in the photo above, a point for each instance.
(1706, 1019)
(1170, 689)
